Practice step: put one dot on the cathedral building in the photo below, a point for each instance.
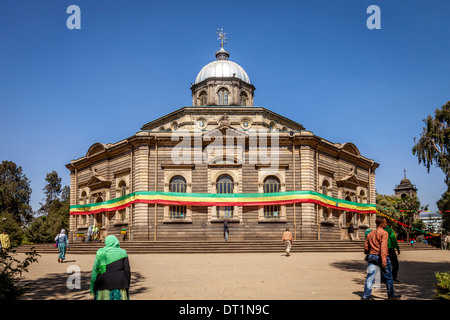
(182, 175)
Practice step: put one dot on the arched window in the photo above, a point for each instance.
(123, 188)
(223, 97)
(348, 215)
(271, 184)
(99, 217)
(177, 184)
(325, 191)
(225, 184)
(362, 196)
(123, 191)
(325, 186)
(272, 126)
(243, 99)
(84, 199)
(202, 98)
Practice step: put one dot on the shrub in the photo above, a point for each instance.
(442, 288)
(11, 270)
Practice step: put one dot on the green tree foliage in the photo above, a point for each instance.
(11, 269)
(15, 193)
(443, 205)
(52, 189)
(442, 287)
(54, 212)
(433, 146)
(406, 210)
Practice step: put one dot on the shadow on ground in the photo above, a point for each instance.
(55, 286)
(417, 279)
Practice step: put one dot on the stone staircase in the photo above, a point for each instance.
(263, 246)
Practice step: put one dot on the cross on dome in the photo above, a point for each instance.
(222, 38)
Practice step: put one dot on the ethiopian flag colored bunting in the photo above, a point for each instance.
(234, 199)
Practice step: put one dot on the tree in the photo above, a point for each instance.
(405, 210)
(443, 205)
(53, 187)
(15, 193)
(54, 212)
(433, 147)
(434, 144)
(11, 270)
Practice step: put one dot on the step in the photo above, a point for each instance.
(144, 247)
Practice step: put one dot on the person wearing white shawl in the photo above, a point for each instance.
(62, 242)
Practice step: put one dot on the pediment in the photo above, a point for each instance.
(348, 180)
(224, 161)
(224, 132)
(351, 148)
(98, 182)
(95, 149)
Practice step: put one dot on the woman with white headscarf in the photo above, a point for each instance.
(62, 242)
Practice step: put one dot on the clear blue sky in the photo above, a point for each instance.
(315, 62)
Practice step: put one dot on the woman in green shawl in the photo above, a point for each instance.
(111, 274)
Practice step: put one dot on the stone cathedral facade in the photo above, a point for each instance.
(182, 175)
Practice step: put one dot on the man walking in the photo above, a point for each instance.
(287, 241)
(226, 231)
(376, 246)
(392, 246)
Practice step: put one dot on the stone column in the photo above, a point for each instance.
(307, 177)
(141, 183)
(73, 201)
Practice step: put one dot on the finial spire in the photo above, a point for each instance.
(222, 38)
(404, 170)
(222, 54)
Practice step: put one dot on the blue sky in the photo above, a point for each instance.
(131, 62)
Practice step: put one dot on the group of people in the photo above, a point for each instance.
(445, 241)
(380, 247)
(111, 275)
(93, 234)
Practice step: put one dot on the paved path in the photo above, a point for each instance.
(248, 276)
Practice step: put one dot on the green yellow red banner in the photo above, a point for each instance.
(234, 199)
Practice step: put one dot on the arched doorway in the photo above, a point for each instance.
(101, 220)
(348, 217)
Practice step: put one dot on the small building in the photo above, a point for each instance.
(405, 188)
(432, 220)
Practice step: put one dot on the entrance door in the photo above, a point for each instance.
(101, 221)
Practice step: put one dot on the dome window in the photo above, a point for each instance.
(223, 97)
(202, 99)
(243, 99)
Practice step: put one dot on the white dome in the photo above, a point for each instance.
(222, 68)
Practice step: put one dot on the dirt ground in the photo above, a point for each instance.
(240, 276)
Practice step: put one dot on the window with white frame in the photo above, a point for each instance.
(177, 184)
(225, 184)
(244, 99)
(84, 199)
(222, 97)
(325, 190)
(202, 98)
(122, 214)
(270, 181)
(271, 184)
